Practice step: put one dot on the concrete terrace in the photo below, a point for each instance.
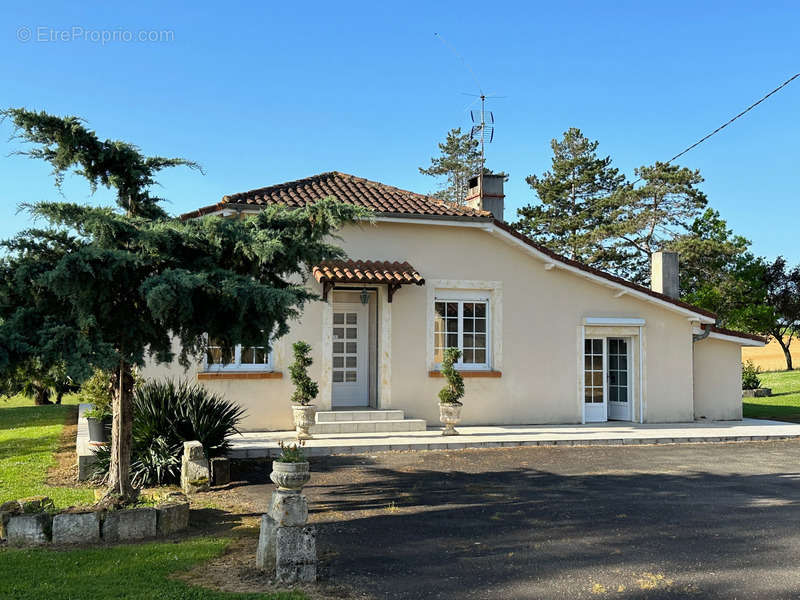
(265, 444)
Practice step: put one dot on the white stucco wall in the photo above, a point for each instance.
(717, 380)
(542, 311)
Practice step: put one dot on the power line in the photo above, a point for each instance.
(744, 112)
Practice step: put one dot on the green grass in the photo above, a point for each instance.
(28, 437)
(136, 572)
(784, 404)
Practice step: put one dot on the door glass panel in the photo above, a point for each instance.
(618, 370)
(345, 354)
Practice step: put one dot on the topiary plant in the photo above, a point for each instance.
(97, 391)
(454, 390)
(750, 378)
(305, 388)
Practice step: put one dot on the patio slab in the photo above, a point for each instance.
(265, 444)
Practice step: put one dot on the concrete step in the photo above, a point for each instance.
(375, 426)
(336, 416)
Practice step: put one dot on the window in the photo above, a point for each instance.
(252, 358)
(462, 324)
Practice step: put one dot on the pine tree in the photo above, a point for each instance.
(459, 160)
(573, 199)
(646, 218)
(106, 287)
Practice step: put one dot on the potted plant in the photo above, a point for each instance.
(451, 394)
(305, 390)
(751, 382)
(290, 470)
(97, 392)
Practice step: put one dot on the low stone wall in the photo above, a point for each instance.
(22, 527)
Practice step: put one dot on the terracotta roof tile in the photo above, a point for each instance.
(367, 271)
(379, 197)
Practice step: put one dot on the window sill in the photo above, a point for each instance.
(468, 374)
(217, 375)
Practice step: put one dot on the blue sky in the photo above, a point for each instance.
(268, 92)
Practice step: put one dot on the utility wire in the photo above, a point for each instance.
(741, 114)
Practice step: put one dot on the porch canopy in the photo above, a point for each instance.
(394, 274)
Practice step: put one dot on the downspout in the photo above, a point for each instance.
(696, 337)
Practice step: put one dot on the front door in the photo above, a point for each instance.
(350, 355)
(618, 378)
(594, 380)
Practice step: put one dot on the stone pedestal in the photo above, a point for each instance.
(195, 474)
(286, 543)
(220, 471)
(172, 518)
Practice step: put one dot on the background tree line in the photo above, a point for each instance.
(586, 210)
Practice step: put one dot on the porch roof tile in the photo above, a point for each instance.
(367, 271)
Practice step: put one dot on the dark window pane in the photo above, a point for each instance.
(439, 308)
(338, 347)
(623, 363)
(612, 394)
(352, 318)
(597, 346)
(480, 340)
(587, 346)
(480, 325)
(468, 340)
(352, 333)
(338, 377)
(338, 362)
(480, 356)
(469, 357)
(612, 362)
(480, 309)
(469, 325)
(612, 346)
(469, 309)
(452, 340)
(623, 346)
(452, 309)
(597, 363)
(452, 325)
(351, 347)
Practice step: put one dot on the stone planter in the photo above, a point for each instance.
(290, 476)
(303, 419)
(99, 430)
(757, 393)
(449, 415)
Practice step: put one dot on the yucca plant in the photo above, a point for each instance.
(166, 414)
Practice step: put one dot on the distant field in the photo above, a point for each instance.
(784, 404)
(770, 357)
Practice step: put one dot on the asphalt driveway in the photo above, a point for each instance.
(676, 521)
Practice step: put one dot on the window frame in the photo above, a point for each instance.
(461, 297)
(236, 364)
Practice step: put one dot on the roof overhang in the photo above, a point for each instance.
(366, 272)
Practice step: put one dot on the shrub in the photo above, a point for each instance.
(454, 390)
(166, 414)
(750, 378)
(291, 453)
(97, 390)
(305, 389)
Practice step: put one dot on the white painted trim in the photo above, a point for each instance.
(326, 363)
(735, 339)
(582, 371)
(613, 321)
(384, 348)
(494, 291)
(641, 375)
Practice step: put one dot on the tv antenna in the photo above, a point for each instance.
(482, 121)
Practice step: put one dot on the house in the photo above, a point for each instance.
(545, 339)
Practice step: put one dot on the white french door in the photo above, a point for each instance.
(606, 379)
(350, 355)
(594, 380)
(618, 379)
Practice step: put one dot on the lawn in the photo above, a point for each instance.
(133, 572)
(28, 437)
(784, 404)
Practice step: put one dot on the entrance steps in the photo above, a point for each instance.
(365, 421)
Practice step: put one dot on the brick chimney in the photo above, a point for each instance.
(490, 198)
(664, 274)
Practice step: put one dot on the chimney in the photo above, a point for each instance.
(664, 273)
(490, 198)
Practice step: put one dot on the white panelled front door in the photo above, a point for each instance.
(350, 355)
(618, 378)
(594, 380)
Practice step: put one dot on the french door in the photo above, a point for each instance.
(606, 379)
(350, 355)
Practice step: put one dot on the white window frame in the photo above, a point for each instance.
(462, 296)
(236, 364)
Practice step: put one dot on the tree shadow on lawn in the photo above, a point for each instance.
(527, 533)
